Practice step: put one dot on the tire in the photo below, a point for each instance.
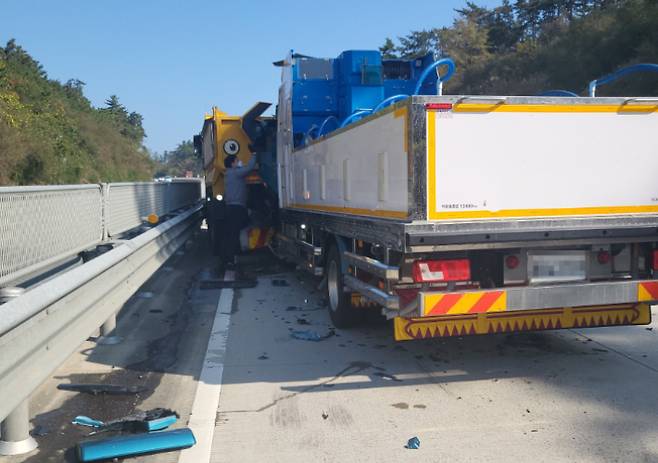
(341, 312)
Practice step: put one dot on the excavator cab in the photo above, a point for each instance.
(243, 136)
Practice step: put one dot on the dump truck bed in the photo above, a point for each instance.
(472, 170)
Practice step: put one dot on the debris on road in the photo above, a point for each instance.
(388, 377)
(231, 284)
(325, 415)
(150, 420)
(95, 389)
(294, 308)
(133, 445)
(263, 357)
(303, 321)
(311, 335)
(39, 431)
(413, 443)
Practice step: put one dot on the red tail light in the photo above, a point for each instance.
(655, 259)
(604, 257)
(439, 106)
(425, 271)
(511, 262)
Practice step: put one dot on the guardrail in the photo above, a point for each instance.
(40, 225)
(42, 326)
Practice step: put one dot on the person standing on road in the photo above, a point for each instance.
(235, 195)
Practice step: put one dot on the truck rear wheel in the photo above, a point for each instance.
(341, 312)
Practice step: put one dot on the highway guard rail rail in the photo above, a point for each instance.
(42, 325)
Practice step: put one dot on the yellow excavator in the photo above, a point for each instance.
(251, 134)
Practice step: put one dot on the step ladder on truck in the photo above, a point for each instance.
(464, 214)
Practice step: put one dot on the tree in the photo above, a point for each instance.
(528, 46)
(113, 106)
(419, 43)
(181, 160)
(388, 49)
(50, 133)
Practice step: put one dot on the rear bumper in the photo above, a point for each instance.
(529, 308)
(521, 320)
(433, 304)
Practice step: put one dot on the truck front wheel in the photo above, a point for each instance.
(341, 312)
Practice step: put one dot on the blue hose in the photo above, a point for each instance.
(620, 73)
(558, 93)
(392, 99)
(389, 101)
(324, 124)
(444, 61)
(308, 132)
(358, 114)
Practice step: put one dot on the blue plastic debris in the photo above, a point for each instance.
(308, 335)
(413, 443)
(150, 420)
(139, 444)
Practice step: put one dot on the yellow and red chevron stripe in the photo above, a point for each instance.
(433, 304)
(647, 291)
(521, 320)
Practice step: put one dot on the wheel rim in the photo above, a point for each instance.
(332, 285)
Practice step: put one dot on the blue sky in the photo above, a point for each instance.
(172, 61)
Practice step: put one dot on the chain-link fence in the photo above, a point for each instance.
(41, 225)
(128, 204)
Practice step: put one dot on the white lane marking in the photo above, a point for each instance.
(209, 387)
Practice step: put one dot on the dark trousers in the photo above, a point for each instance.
(236, 219)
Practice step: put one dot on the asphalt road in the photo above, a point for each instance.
(573, 396)
(357, 395)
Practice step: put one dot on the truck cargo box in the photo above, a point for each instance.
(475, 165)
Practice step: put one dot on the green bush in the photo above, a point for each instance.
(51, 134)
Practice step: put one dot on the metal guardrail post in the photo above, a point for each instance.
(15, 436)
(15, 430)
(105, 213)
(108, 336)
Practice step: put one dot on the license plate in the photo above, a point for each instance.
(557, 266)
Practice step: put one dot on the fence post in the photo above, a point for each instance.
(15, 436)
(108, 336)
(105, 212)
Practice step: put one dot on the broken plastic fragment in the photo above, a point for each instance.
(232, 284)
(95, 389)
(124, 446)
(413, 443)
(311, 335)
(150, 420)
(40, 431)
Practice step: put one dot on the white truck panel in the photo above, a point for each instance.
(518, 163)
(363, 170)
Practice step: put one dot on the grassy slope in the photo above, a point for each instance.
(50, 133)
